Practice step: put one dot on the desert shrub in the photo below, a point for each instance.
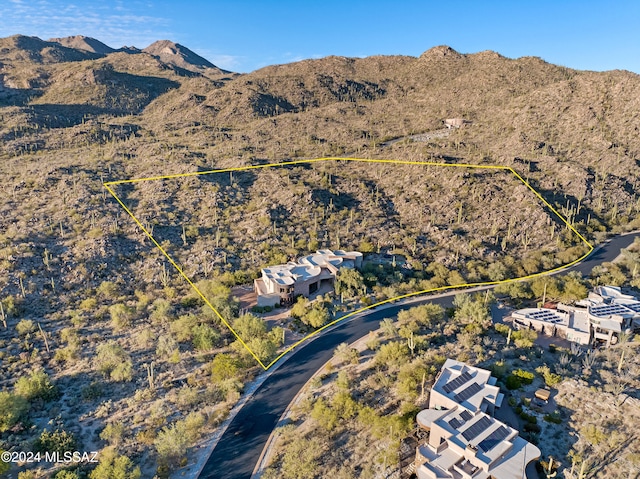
(172, 442)
(249, 326)
(326, 417)
(264, 348)
(166, 346)
(346, 354)
(299, 308)
(121, 315)
(113, 433)
(550, 379)
(524, 338)
(188, 396)
(223, 367)
(529, 418)
(113, 361)
(498, 369)
(593, 434)
(301, 459)
(183, 326)
(554, 417)
(92, 391)
(88, 304)
(344, 404)
(108, 290)
(373, 342)
(36, 385)
(161, 311)
(261, 309)
(25, 326)
(10, 306)
(59, 441)
(122, 372)
(204, 337)
(13, 408)
(112, 465)
(513, 382)
(410, 378)
(470, 309)
(516, 290)
(525, 377)
(502, 329)
(349, 282)
(316, 317)
(426, 315)
(532, 427)
(392, 353)
(66, 474)
(4, 466)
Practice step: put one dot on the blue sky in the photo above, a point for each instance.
(244, 35)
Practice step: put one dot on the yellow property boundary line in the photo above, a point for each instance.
(108, 185)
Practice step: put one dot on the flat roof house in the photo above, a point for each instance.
(464, 440)
(280, 284)
(602, 316)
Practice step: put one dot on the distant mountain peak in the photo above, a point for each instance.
(35, 49)
(80, 42)
(177, 55)
(441, 51)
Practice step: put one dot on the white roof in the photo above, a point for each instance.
(466, 385)
(612, 292)
(287, 274)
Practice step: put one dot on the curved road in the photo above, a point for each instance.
(239, 449)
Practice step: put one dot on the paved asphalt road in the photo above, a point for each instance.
(236, 454)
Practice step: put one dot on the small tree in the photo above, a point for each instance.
(36, 385)
(113, 433)
(249, 326)
(112, 465)
(4, 466)
(13, 408)
(25, 326)
(172, 442)
(59, 441)
(223, 367)
(316, 317)
(204, 337)
(114, 362)
(121, 315)
(388, 328)
(525, 338)
(349, 282)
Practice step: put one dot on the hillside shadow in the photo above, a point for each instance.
(51, 115)
(242, 179)
(17, 96)
(339, 201)
(126, 94)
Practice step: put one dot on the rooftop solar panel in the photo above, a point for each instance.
(466, 393)
(608, 309)
(633, 306)
(494, 439)
(465, 415)
(454, 423)
(476, 428)
(457, 382)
